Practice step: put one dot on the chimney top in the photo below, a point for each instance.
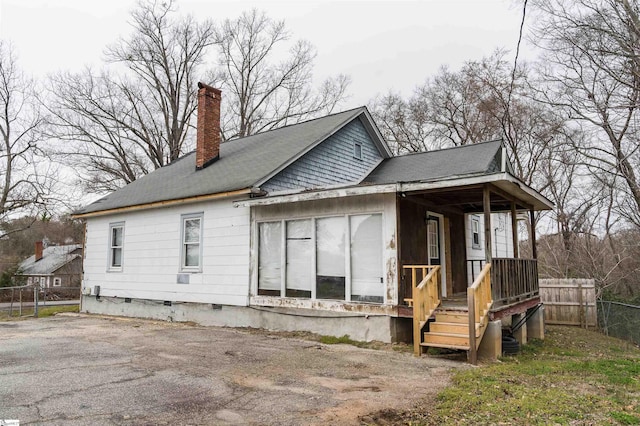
(38, 250)
(202, 85)
(208, 130)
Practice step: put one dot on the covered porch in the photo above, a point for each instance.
(460, 260)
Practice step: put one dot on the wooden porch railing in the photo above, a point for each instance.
(479, 301)
(425, 299)
(514, 279)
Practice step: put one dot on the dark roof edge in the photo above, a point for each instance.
(163, 203)
(451, 148)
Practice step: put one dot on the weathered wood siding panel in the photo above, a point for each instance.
(569, 301)
(151, 255)
(458, 247)
(330, 163)
(413, 242)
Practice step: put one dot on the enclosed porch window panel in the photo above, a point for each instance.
(299, 258)
(332, 254)
(270, 258)
(367, 284)
(330, 258)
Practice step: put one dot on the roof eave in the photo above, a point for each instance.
(163, 203)
(536, 200)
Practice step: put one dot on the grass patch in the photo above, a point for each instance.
(43, 312)
(574, 376)
(53, 310)
(346, 340)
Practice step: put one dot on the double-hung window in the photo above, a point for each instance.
(191, 246)
(116, 246)
(475, 232)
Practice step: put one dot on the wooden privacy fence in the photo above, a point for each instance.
(569, 301)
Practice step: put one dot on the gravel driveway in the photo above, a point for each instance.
(86, 370)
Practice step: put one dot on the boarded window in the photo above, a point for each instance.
(270, 258)
(299, 251)
(366, 258)
(330, 258)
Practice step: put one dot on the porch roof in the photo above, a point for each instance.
(508, 185)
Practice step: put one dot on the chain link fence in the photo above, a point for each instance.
(26, 300)
(619, 320)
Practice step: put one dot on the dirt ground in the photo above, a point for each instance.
(81, 370)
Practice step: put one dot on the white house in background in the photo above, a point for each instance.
(308, 227)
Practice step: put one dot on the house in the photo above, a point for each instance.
(53, 266)
(317, 226)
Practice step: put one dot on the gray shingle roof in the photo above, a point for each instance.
(53, 258)
(243, 163)
(480, 158)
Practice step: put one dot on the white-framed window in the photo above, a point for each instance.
(357, 150)
(43, 282)
(57, 281)
(433, 238)
(191, 243)
(329, 258)
(116, 246)
(475, 232)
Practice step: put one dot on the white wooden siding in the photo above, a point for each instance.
(151, 255)
(501, 239)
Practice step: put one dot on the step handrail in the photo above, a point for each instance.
(426, 298)
(479, 302)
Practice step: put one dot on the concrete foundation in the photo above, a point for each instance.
(521, 333)
(491, 345)
(359, 327)
(535, 324)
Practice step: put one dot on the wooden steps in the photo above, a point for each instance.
(451, 327)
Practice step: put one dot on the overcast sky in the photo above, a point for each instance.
(382, 45)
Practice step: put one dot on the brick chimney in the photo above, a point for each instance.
(208, 137)
(38, 250)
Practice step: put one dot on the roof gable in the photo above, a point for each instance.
(331, 162)
(243, 164)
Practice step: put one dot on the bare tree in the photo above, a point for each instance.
(129, 119)
(260, 92)
(26, 181)
(403, 123)
(484, 100)
(593, 74)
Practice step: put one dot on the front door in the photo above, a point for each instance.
(435, 243)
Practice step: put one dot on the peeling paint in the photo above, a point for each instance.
(392, 273)
(325, 307)
(392, 243)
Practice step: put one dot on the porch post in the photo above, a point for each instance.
(514, 231)
(486, 207)
(534, 249)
